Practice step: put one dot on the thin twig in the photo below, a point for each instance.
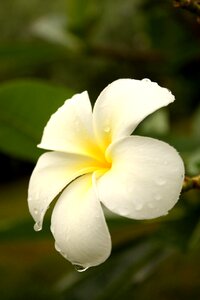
(191, 183)
(190, 5)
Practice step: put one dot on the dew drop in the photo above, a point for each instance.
(138, 206)
(80, 268)
(161, 181)
(37, 226)
(35, 211)
(107, 129)
(158, 197)
(146, 80)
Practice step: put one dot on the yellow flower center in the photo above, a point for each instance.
(101, 162)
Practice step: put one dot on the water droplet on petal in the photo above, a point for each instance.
(161, 181)
(165, 162)
(138, 206)
(37, 226)
(80, 268)
(35, 211)
(107, 129)
(158, 197)
(146, 80)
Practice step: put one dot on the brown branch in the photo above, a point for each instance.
(121, 53)
(191, 183)
(190, 5)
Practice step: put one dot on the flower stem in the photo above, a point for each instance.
(191, 183)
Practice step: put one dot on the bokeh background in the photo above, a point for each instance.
(50, 50)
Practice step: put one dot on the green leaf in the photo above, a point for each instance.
(25, 107)
(53, 28)
(23, 58)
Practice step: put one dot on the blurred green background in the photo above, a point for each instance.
(52, 49)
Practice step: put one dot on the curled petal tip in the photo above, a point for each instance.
(37, 226)
(80, 268)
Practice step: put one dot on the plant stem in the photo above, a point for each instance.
(191, 183)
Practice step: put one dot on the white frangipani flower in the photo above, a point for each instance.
(94, 160)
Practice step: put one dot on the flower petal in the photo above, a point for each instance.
(70, 128)
(145, 179)
(78, 225)
(54, 170)
(123, 104)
